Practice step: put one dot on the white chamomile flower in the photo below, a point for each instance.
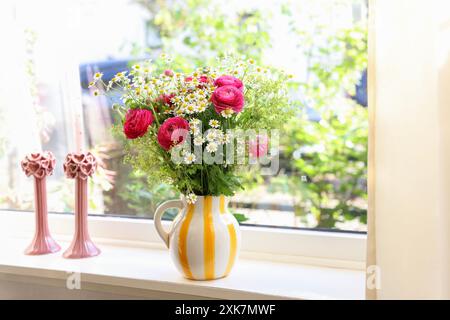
(96, 93)
(189, 158)
(211, 147)
(227, 113)
(211, 135)
(120, 74)
(195, 122)
(190, 109)
(197, 108)
(98, 75)
(195, 130)
(198, 141)
(191, 198)
(214, 123)
(91, 84)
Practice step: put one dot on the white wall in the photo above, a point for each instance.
(412, 147)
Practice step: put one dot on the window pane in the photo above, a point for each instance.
(322, 43)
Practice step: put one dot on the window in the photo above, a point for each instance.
(323, 44)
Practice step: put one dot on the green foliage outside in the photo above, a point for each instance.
(328, 159)
(324, 163)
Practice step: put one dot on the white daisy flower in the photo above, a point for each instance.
(189, 158)
(198, 141)
(195, 122)
(214, 123)
(211, 135)
(195, 130)
(201, 108)
(190, 109)
(121, 74)
(98, 75)
(191, 198)
(211, 147)
(227, 113)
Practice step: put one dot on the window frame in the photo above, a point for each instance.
(319, 248)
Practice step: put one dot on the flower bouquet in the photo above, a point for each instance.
(198, 132)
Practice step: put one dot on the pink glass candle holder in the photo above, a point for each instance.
(40, 165)
(80, 166)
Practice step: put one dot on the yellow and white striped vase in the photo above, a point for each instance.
(204, 239)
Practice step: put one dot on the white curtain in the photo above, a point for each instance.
(18, 126)
(409, 160)
(39, 93)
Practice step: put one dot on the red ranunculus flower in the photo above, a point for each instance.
(203, 79)
(137, 122)
(172, 132)
(228, 97)
(188, 79)
(229, 81)
(166, 99)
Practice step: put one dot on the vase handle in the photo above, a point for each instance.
(158, 215)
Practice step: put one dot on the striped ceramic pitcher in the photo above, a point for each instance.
(204, 239)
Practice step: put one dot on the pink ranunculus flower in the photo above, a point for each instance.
(228, 97)
(259, 146)
(168, 73)
(137, 122)
(172, 132)
(229, 81)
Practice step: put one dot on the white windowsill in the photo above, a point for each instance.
(285, 265)
(137, 266)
